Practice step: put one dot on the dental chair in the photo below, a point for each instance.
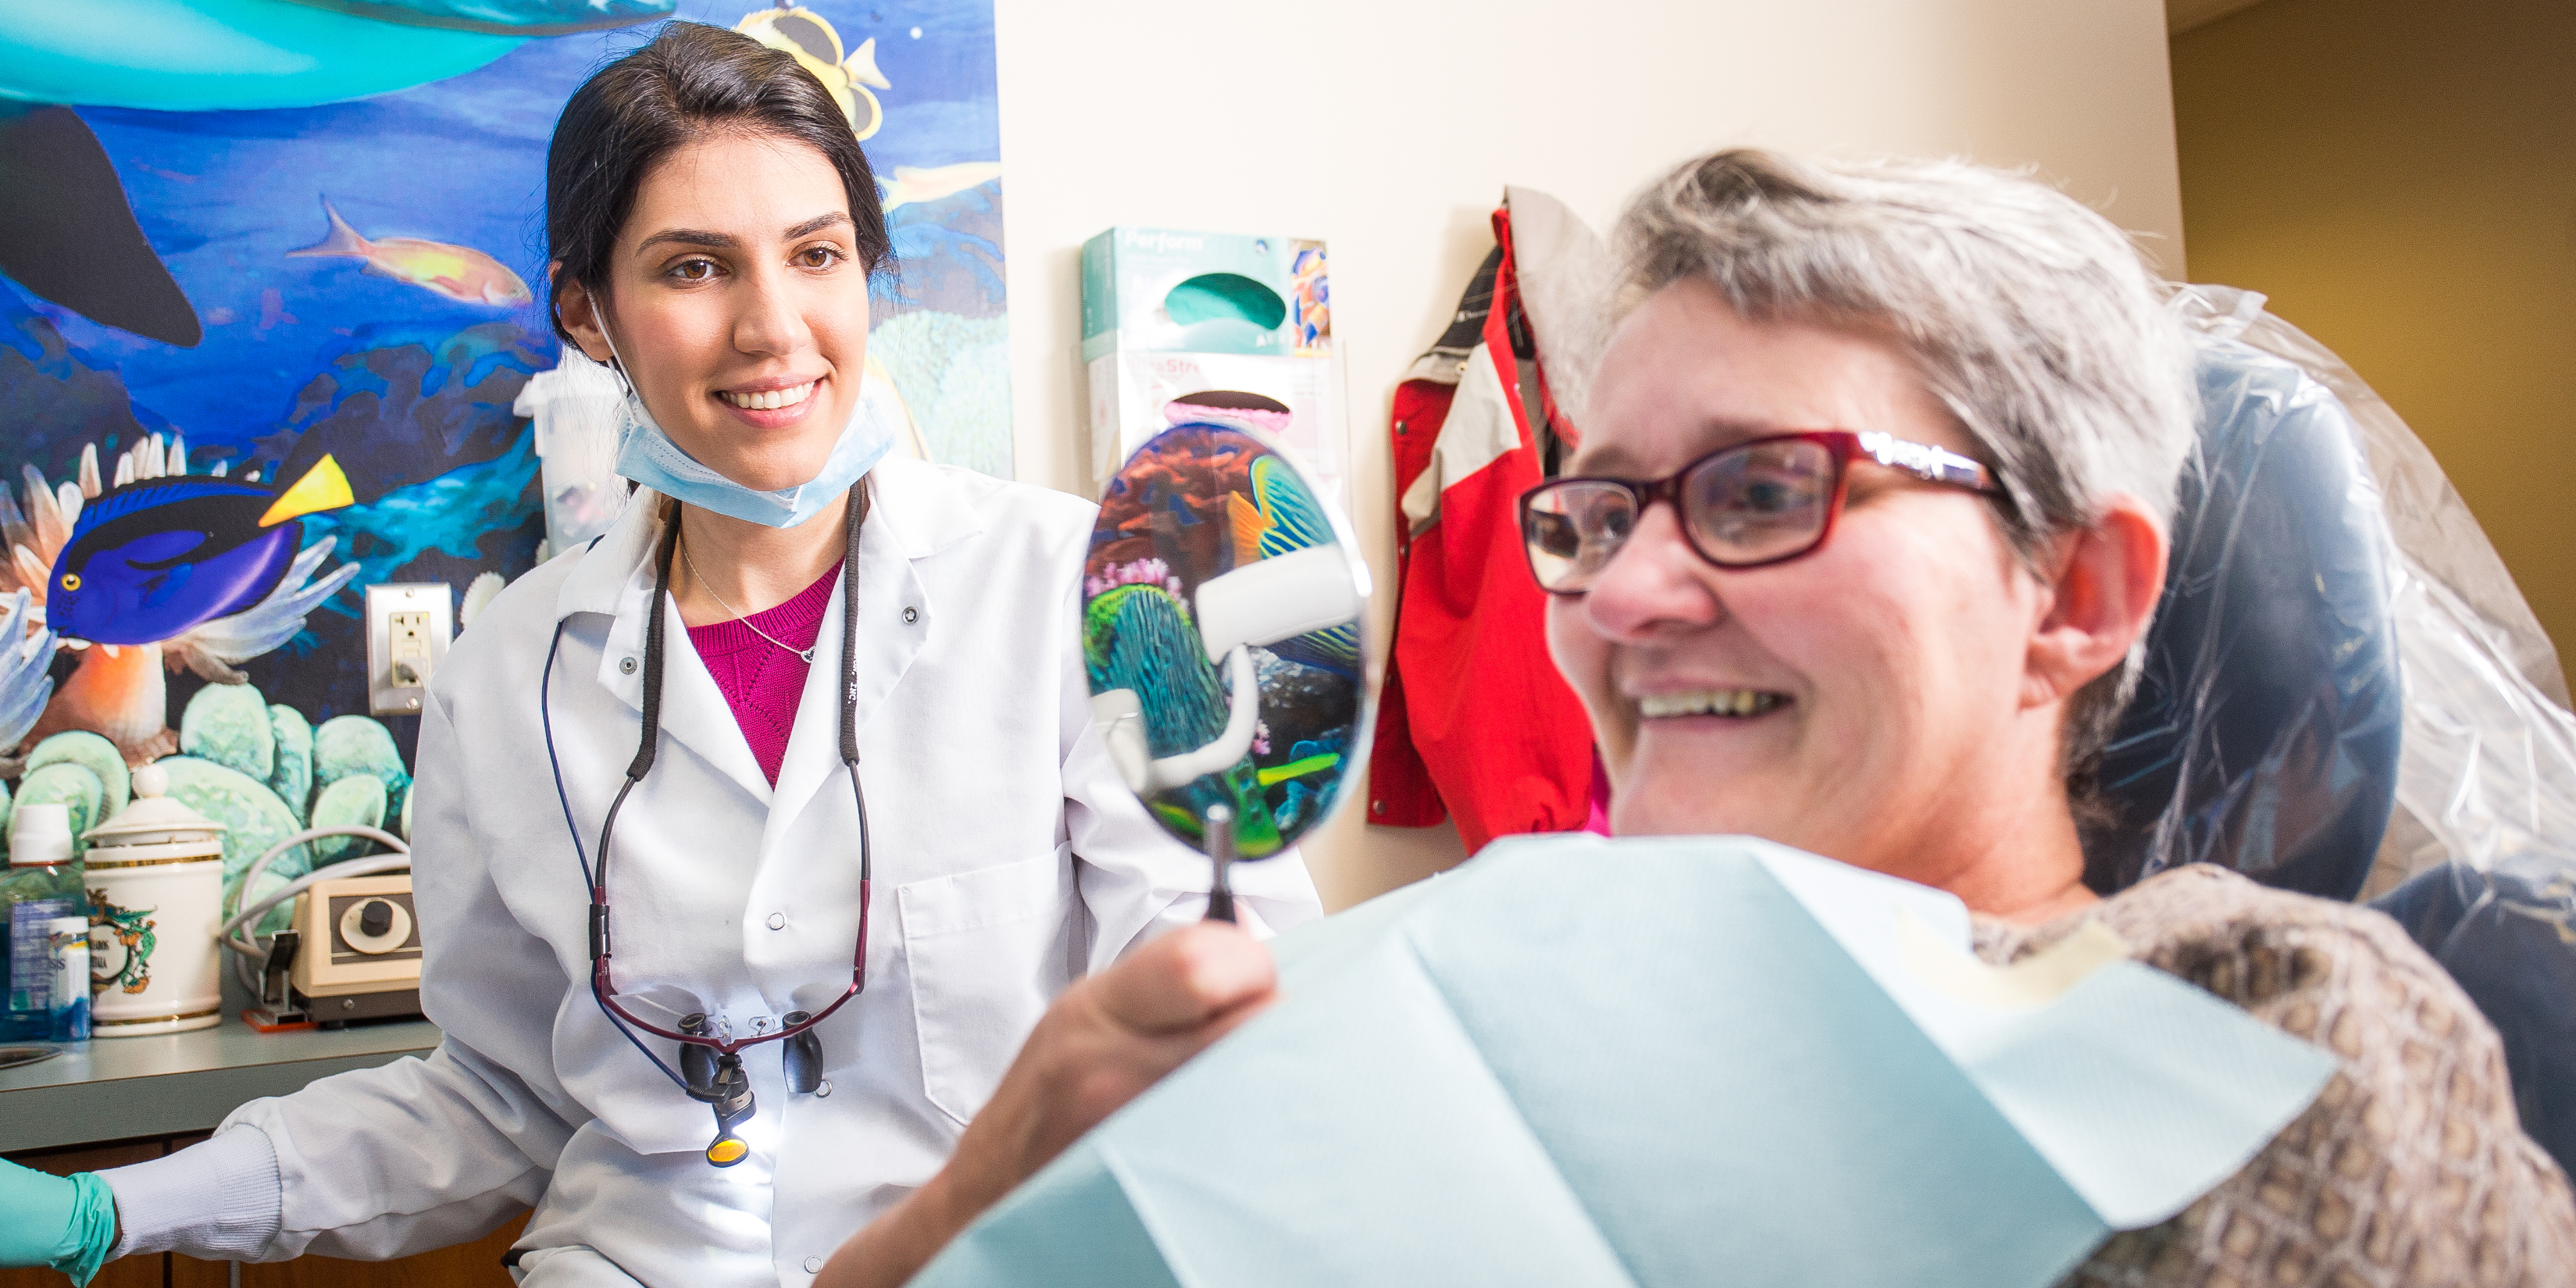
(2342, 695)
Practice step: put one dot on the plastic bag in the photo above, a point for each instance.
(2339, 646)
(575, 407)
(2264, 734)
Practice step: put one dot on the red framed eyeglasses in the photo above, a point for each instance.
(1763, 501)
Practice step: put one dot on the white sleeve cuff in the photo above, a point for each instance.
(218, 1199)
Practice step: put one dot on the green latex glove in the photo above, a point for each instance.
(67, 1222)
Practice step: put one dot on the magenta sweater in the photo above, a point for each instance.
(761, 681)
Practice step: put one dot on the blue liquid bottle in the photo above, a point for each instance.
(44, 989)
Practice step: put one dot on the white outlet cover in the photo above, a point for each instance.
(438, 599)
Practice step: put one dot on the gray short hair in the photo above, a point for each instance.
(2033, 319)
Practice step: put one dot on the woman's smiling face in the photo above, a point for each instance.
(738, 305)
(1884, 675)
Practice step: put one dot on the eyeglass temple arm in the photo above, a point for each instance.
(1926, 462)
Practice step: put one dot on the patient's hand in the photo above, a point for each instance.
(1106, 1039)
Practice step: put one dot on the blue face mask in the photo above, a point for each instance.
(648, 456)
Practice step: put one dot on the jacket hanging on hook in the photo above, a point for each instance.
(1473, 722)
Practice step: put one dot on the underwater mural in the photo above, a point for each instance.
(270, 280)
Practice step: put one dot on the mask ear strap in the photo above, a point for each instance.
(616, 361)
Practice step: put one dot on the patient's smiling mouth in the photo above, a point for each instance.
(1734, 703)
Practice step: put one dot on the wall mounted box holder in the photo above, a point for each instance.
(1182, 327)
(408, 628)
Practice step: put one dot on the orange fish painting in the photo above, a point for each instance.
(457, 272)
(913, 184)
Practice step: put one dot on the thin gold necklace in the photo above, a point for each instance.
(806, 655)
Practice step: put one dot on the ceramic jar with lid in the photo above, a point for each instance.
(156, 895)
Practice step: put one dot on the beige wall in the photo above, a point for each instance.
(2400, 178)
(1389, 127)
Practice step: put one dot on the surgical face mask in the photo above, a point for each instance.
(648, 456)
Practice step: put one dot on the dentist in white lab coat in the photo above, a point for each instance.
(711, 221)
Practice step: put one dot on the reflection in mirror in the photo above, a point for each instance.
(1221, 628)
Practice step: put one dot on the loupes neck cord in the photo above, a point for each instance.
(727, 1088)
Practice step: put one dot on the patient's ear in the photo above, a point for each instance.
(2103, 588)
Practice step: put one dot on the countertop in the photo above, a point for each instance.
(169, 1084)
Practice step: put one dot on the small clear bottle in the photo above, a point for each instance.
(42, 895)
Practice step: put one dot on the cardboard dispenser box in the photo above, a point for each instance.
(1234, 329)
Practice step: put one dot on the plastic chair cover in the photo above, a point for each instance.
(2478, 855)
(2264, 731)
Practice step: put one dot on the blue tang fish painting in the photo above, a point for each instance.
(156, 558)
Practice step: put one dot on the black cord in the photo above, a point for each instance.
(859, 495)
(652, 723)
(546, 717)
(849, 631)
(590, 887)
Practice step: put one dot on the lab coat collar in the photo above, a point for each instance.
(911, 499)
(599, 579)
(894, 620)
(913, 515)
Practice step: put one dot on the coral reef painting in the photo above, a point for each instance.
(262, 329)
(258, 769)
(1195, 503)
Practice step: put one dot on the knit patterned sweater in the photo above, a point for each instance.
(761, 680)
(2410, 1168)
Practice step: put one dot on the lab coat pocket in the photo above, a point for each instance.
(988, 950)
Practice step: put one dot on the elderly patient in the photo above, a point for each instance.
(1856, 555)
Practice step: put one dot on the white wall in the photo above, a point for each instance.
(1389, 127)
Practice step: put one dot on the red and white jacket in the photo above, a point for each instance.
(1474, 722)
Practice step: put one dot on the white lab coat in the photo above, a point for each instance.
(1010, 859)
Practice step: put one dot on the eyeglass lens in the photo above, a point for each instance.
(1761, 502)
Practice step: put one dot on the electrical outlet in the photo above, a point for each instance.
(408, 625)
(409, 635)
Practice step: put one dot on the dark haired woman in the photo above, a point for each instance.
(796, 673)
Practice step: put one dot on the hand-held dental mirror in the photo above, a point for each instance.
(1222, 612)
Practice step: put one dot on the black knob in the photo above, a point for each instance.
(375, 918)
